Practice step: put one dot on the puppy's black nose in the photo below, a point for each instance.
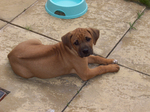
(85, 51)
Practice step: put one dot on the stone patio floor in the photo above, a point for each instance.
(125, 91)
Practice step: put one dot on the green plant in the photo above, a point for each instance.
(144, 2)
(28, 28)
(132, 24)
(139, 14)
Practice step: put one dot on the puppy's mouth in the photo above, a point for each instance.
(85, 52)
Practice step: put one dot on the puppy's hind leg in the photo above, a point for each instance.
(22, 71)
(32, 42)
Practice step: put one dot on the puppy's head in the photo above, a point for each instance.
(81, 40)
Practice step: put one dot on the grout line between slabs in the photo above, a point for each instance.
(24, 10)
(134, 70)
(17, 15)
(125, 66)
(121, 40)
(29, 30)
(74, 96)
(88, 80)
(124, 34)
(4, 26)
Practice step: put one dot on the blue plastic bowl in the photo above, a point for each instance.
(66, 9)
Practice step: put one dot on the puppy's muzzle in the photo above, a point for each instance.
(86, 51)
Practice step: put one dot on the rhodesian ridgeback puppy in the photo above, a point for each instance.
(33, 59)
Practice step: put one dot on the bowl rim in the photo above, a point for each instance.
(81, 1)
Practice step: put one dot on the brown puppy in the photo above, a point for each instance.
(33, 59)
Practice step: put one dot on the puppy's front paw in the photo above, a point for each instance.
(114, 68)
(115, 61)
(112, 61)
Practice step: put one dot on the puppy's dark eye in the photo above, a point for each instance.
(76, 42)
(88, 39)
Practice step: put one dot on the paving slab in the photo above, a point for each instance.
(111, 17)
(2, 24)
(9, 9)
(32, 95)
(134, 50)
(125, 91)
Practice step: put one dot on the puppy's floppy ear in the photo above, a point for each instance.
(94, 33)
(66, 39)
